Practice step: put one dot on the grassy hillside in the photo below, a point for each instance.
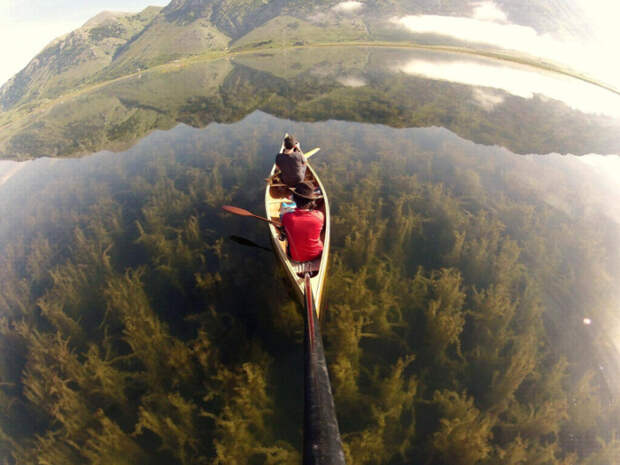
(328, 62)
(286, 30)
(113, 117)
(164, 41)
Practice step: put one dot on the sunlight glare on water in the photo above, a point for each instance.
(607, 170)
(9, 168)
(607, 167)
(352, 81)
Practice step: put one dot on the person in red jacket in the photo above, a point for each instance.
(303, 226)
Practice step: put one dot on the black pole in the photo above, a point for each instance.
(322, 445)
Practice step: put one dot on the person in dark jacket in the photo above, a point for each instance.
(291, 162)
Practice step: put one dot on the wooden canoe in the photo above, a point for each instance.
(274, 196)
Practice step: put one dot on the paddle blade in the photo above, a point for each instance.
(236, 210)
(242, 212)
(247, 242)
(312, 152)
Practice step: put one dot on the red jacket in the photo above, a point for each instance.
(303, 230)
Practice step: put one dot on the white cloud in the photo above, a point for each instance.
(607, 166)
(352, 81)
(601, 50)
(487, 99)
(510, 36)
(518, 80)
(348, 6)
(607, 170)
(489, 11)
(602, 16)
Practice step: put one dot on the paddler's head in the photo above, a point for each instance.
(290, 142)
(303, 194)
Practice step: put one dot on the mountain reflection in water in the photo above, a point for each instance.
(134, 331)
(488, 102)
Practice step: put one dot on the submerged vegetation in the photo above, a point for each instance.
(133, 331)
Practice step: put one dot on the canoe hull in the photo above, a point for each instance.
(273, 198)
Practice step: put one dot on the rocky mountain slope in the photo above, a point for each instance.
(117, 44)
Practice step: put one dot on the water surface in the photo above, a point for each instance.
(472, 293)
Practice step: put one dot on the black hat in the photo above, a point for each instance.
(305, 189)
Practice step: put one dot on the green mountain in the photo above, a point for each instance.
(113, 45)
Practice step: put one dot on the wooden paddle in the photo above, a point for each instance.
(242, 212)
(312, 152)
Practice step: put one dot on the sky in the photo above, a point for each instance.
(27, 26)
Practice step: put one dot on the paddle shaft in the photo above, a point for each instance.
(244, 212)
(276, 224)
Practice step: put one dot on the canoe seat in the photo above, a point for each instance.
(301, 268)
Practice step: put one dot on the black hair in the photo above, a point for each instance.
(302, 202)
(289, 142)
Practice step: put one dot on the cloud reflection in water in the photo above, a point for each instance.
(522, 81)
(489, 25)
